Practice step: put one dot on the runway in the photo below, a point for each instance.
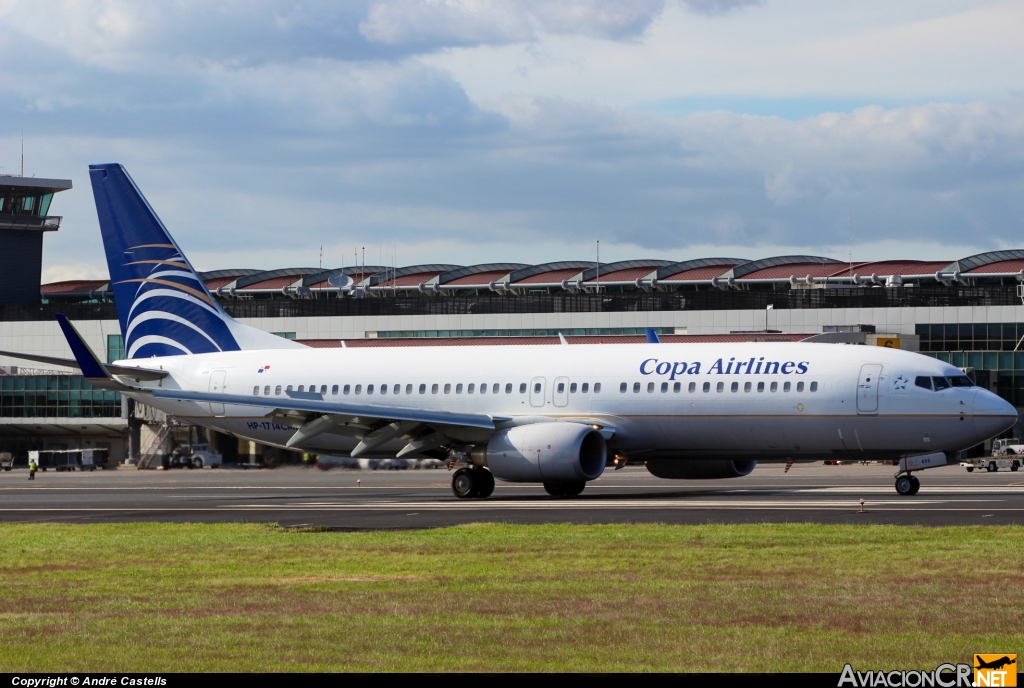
(339, 498)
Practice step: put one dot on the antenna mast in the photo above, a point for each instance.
(598, 266)
(850, 231)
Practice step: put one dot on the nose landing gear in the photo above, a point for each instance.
(907, 484)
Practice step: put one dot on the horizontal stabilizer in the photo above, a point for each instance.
(85, 360)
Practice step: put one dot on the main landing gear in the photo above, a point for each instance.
(907, 484)
(566, 488)
(472, 482)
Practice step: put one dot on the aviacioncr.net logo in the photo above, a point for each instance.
(943, 676)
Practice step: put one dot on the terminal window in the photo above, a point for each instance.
(55, 396)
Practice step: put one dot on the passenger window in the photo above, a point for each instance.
(676, 387)
(536, 388)
(508, 388)
(359, 389)
(636, 388)
(622, 387)
(561, 387)
(345, 389)
(334, 390)
(256, 391)
(720, 387)
(799, 386)
(383, 389)
(472, 388)
(369, 389)
(448, 388)
(433, 388)
(277, 390)
(458, 388)
(775, 387)
(707, 387)
(814, 386)
(288, 388)
(692, 388)
(423, 389)
(572, 388)
(664, 387)
(760, 386)
(408, 389)
(597, 388)
(301, 387)
(785, 386)
(483, 388)
(746, 386)
(585, 388)
(940, 383)
(266, 391)
(496, 388)
(650, 387)
(735, 387)
(522, 388)
(323, 389)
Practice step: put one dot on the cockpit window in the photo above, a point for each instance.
(941, 383)
(923, 381)
(961, 381)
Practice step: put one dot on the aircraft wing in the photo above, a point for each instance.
(374, 424)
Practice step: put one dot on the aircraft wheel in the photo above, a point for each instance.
(905, 485)
(464, 483)
(917, 485)
(486, 483)
(573, 489)
(555, 489)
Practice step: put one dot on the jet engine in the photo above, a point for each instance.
(700, 469)
(544, 452)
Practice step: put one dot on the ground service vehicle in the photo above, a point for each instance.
(551, 415)
(6, 461)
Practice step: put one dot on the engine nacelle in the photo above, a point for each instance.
(543, 452)
(700, 469)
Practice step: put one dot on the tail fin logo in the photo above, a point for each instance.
(163, 306)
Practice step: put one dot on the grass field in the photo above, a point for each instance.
(154, 597)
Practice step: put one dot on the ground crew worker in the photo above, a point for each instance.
(32, 468)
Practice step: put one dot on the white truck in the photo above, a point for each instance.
(6, 461)
(1006, 453)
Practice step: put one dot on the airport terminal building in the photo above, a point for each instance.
(968, 311)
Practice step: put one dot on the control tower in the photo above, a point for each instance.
(24, 216)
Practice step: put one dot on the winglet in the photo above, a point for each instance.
(652, 336)
(562, 339)
(91, 367)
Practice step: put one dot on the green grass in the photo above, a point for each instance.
(151, 597)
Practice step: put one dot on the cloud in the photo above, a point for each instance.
(433, 23)
(719, 6)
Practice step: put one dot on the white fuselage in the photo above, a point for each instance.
(753, 400)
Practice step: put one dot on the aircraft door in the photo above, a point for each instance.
(560, 394)
(867, 388)
(537, 391)
(217, 387)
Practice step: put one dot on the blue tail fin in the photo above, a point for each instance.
(652, 336)
(162, 304)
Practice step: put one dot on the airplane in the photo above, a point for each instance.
(553, 415)
(995, 664)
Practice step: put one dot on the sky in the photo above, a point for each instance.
(474, 131)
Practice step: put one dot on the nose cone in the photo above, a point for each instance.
(992, 414)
